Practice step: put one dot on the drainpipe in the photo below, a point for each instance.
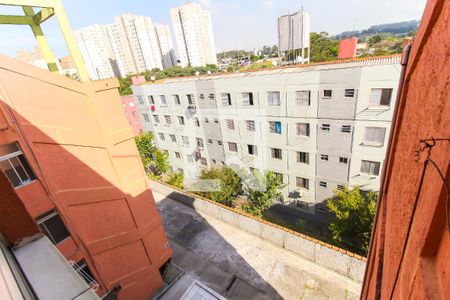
(404, 62)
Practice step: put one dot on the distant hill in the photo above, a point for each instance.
(392, 28)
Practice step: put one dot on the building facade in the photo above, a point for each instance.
(130, 45)
(193, 35)
(76, 169)
(132, 114)
(293, 37)
(320, 127)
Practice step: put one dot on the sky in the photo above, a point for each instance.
(237, 24)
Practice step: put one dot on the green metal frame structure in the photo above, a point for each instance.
(48, 8)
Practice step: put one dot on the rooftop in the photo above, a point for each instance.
(238, 265)
(328, 65)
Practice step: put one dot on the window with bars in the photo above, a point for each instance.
(212, 97)
(340, 187)
(302, 129)
(201, 97)
(323, 184)
(226, 99)
(210, 141)
(140, 99)
(273, 98)
(176, 99)
(181, 120)
(247, 99)
(156, 118)
(178, 155)
(349, 93)
(327, 93)
(370, 167)
(15, 166)
(301, 182)
(173, 138)
(199, 142)
(276, 153)
(168, 119)
(346, 128)
(303, 98)
(250, 125)
(196, 122)
(52, 226)
(380, 97)
(219, 143)
(275, 127)
(150, 99)
(343, 160)
(161, 136)
(232, 147)
(303, 157)
(230, 124)
(323, 157)
(252, 149)
(191, 99)
(185, 140)
(146, 119)
(163, 100)
(325, 127)
(374, 135)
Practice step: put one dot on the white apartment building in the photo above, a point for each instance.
(134, 44)
(97, 53)
(193, 35)
(321, 127)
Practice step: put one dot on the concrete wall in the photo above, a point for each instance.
(331, 257)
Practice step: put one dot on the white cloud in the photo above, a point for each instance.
(268, 3)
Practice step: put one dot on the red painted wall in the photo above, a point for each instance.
(89, 170)
(132, 114)
(410, 257)
(347, 48)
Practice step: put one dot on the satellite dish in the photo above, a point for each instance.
(153, 78)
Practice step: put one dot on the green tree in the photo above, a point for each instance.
(261, 192)
(354, 212)
(125, 86)
(154, 160)
(374, 39)
(160, 163)
(175, 179)
(323, 48)
(230, 185)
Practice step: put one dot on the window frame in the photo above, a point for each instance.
(270, 98)
(41, 219)
(23, 162)
(300, 98)
(274, 153)
(305, 156)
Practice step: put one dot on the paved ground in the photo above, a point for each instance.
(239, 265)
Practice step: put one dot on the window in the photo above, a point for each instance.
(15, 166)
(161, 136)
(380, 97)
(327, 93)
(279, 176)
(176, 99)
(203, 161)
(230, 124)
(185, 140)
(250, 125)
(302, 129)
(181, 120)
(247, 99)
(374, 135)
(162, 99)
(212, 97)
(349, 93)
(177, 155)
(199, 142)
(343, 160)
(219, 143)
(322, 184)
(168, 119)
(252, 150)
(213, 161)
(130, 104)
(216, 120)
(145, 116)
(302, 182)
(52, 226)
(173, 138)
(201, 97)
(209, 141)
(275, 127)
(340, 187)
(303, 98)
(370, 167)
(196, 122)
(346, 128)
(323, 157)
(226, 99)
(276, 153)
(325, 127)
(232, 147)
(206, 120)
(303, 157)
(156, 118)
(140, 100)
(83, 270)
(151, 100)
(191, 99)
(273, 98)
